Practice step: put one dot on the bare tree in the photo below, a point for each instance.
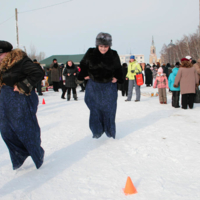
(188, 45)
(33, 54)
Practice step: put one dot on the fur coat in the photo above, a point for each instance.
(101, 67)
(17, 69)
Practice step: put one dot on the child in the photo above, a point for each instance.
(175, 91)
(161, 83)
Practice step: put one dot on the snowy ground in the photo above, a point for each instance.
(156, 145)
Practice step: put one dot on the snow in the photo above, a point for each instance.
(156, 145)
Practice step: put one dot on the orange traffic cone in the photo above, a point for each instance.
(129, 188)
(43, 101)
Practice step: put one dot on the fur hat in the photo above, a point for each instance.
(5, 46)
(160, 70)
(104, 39)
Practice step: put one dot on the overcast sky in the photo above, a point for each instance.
(71, 28)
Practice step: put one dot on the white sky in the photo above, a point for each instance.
(71, 28)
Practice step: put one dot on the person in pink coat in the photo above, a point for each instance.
(161, 83)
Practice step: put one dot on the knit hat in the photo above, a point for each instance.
(5, 46)
(160, 70)
(104, 39)
(132, 57)
(34, 60)
(184, 59)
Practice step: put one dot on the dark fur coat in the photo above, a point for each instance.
(101, 67)
(18, 69)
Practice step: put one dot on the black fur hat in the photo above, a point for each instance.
(5, 46)
(104, 39)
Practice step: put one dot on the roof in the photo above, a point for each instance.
(171, 44)
(62, 59)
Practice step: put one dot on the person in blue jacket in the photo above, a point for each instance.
(175, 91)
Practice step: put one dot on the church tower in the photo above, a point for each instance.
(153, 56)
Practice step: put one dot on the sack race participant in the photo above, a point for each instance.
(18, 105)
(101, 67)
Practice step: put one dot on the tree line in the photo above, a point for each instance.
(188, 45)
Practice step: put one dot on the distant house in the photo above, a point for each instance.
(62, 59)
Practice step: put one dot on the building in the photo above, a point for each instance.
(62, 59)
(153, 56)
(125, 58)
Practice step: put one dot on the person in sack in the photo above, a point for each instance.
(161, 83)
(189, 80)
(102, 68)
(175, 91)
(18, 105)
(55, 75)
(148, 76)
(133, 69)
(70, 74)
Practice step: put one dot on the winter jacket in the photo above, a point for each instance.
(148, 76)
(133, 69)
(155, 72)
(166, 70)
(70, 81)
(171, 79)
(197, 67)
(161, 81)
(18, 69)
(188, 78)
(101, 67)
(124, 86)
(55, 72)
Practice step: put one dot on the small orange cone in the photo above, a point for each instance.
(129, 188)
(43, 101)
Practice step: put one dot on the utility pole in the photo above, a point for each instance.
(17, 33)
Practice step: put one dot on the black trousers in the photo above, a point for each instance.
(124, 92)
(175, 99)
(69, 91)
(39, 88)
(82, 86)
(188, 99)
(55, 86)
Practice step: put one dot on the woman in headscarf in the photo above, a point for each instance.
(18, 105)
(102, 68)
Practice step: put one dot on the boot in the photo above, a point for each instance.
(62, 96)
(75, 97)
(68, 97)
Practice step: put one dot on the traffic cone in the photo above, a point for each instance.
(43, 101)
(129, 188)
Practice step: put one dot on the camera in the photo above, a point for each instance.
(132, 71)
